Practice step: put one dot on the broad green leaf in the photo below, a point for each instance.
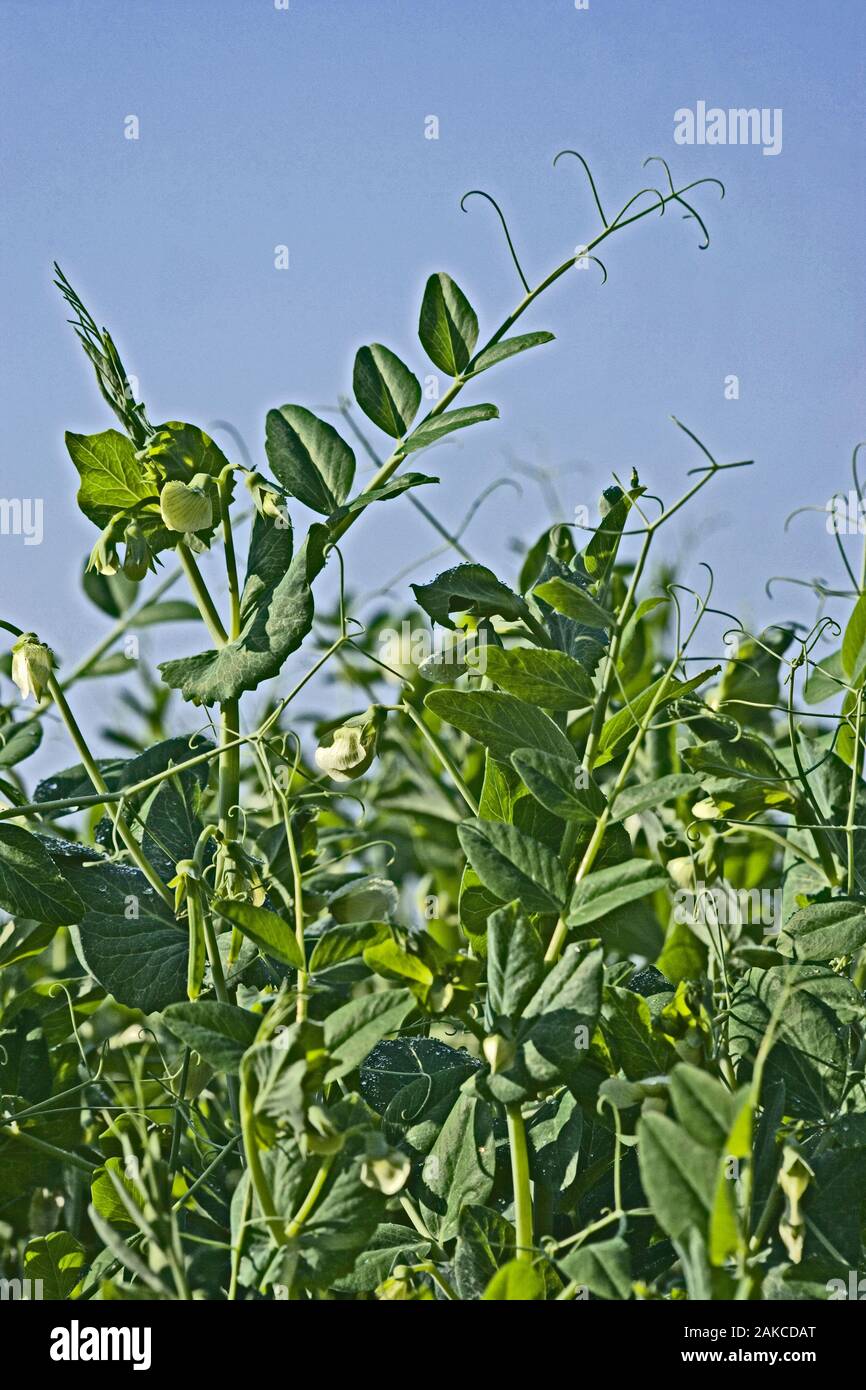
(353, 1030)
(276, 615)
(30, 883)
(604, 1268)
(574, 602)
(854, 643)
(58, 1260)
(509, 347)
(554, 1134)
(513, 866)
(826, 679)
(459, 1169)
(515, 963)
(267, 931)
(618, 728)
(501, 722)
(128, 938)
(636, 1047)
(824, 931)
(678, 1174)
(107, 1200)
(390, 1245)
(309, 458)
(647, 796)
(219, 1033)
(436, 426)
(553, 1039)
(485, 1242)
(469, 589)
(18, 741)
(810, 1051)
(548, 678)
(683, 957)
(387, 392)
(606, 889)
(705, 1108)
(345, 942)
(448, 326)
(112, 479)
(396, 1065)
(560, 784)
(519, 1280)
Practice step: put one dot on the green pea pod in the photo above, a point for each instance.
(195, 918)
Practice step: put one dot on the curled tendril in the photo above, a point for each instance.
(585, 256)
(857, 448)
(479, 193)
(676, 195)
(589, 176)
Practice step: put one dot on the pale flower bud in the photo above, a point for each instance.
(32, 664)
(348, 751)
(185, 507)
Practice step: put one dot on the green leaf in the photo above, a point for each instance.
(448, 327)
(128, 938)
(270, 933)
(515, 963)
(637, 1049)
(309, 458)
(30, 883)
(617, 729)
(508, 347)
(345, 942)
(112, 479)
(106, 1198)
(559, 784)
(824, 931)
(647, 796)
(574, 602)
(678, 1174)
(554, 1134)
(517, 1281)
(548, 678)
(173, 610)
(854, 644)
(385, 389)
(459, 1169)
(18, 741)
(436, 426)
(385, 493)
(606, 889)
(513, 866)
(353, 1030)
(485, 1242)
(552, 1041)
(705, 1108)
(58, 1260)
(219, 1033)
(502, 723)
(604, 1268)
(276, 615)
(469, 589)
(389, 1246)
(826, 679)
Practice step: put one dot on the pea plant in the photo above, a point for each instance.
(536, 974)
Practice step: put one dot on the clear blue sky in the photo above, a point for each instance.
(305, 127)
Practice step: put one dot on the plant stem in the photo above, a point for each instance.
(520, 1181)
(298, 891)
(201, 593)
(443, 756)
(312, 1197)
(92, 769)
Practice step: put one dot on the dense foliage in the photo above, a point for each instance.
(537, 974)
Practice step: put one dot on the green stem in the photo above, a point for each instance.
(520, 1181)
(312, 1197)
(258, 1176)
(298, 892)
(443, 756)
(42, 1146)
(136, 852)
(201, 594)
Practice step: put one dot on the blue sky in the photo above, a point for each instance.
(305, 127)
